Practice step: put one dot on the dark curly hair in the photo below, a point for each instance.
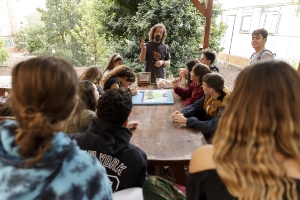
(115, 106)
(86, 92)
(153, 29)
(120, 71)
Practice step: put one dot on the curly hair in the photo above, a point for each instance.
(261, 119)
(261, 31)
(210, 55)
(93, 74)
(110, 64)
(115, 106)
(201, 70)
(86, 92)
(153, 29)
(44, 91)
(120, 71)
(190, 64)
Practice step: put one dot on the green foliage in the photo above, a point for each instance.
(71, 32)
(30, 38)
(86, 34)
(4, 55)
(184, 23)
(60, 17)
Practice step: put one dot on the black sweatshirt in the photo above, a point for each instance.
(125, 163)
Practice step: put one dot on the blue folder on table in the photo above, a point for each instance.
(153, 97)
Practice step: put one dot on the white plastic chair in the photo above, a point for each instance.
(134, 193)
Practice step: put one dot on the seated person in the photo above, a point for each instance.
(195, 89)
(5, 108)
(209, 107)
(208, 58)
(108, 139)
(88, 98)
(93, 74)
(114, 61)
(120, 76)
(255, 152)
(37, 160)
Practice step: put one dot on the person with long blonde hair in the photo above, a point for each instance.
(255, 153)
(93, 74)
(37, 160)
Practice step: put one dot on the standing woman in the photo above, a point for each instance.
(114, 61)
(37, 160)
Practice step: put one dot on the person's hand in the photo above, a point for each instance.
(143, 45)
(156, 55)
(174, 113)
(182, 73)
(133, 91)
(175, 82)
(179, 118)
(132, 125)
(159, 63)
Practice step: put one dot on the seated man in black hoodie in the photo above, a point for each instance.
(108, 139)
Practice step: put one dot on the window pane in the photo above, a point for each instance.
(271, 23)
(285, 24)
(246, 22)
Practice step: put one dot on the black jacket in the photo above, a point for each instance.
(125, 164)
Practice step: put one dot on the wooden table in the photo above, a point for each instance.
(165, 142)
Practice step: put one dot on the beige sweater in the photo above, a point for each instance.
(79, 123)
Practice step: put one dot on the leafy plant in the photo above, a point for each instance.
(183, 21)
(4, 55)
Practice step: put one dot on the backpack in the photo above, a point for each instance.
(261, 53)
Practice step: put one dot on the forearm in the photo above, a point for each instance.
(206, 127)
(166, 63)
(143, 55)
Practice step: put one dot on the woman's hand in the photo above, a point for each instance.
(133, 91)
(175, 82)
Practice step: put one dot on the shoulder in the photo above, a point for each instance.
(87, 114)
(110, 81)
(267, 54)
(137, 151)
(83, 169)
(202, 159)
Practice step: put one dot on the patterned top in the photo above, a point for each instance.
(64, 172)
